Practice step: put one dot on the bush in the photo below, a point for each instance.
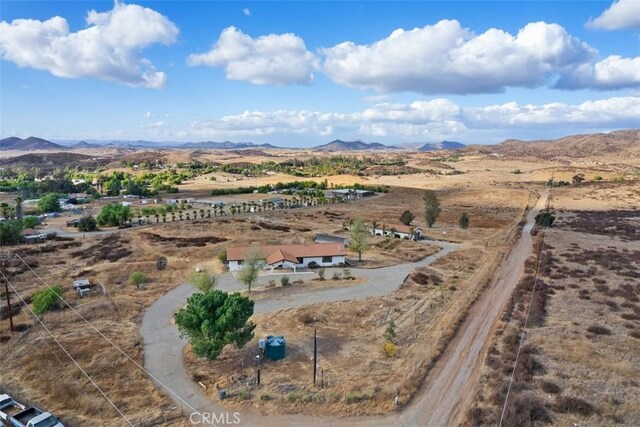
(336, 275)
(598, 330)
(358, 396)
(47, 300)
(244, 395)
(346, 273)
(464, 220)
(137, 278)
(265, 397)
(202, 280)
(321, 273)
(389, 350)
(29, 221)
(574, 405)
(284, 280)
(49, 203)
(114, 215)
(87, 224)
(222, 256)
(550, 387)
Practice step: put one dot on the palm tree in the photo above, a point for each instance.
(195, 214)
(208, 213)
(180, 215)
(244, 207)
(19, 201)
(164, 217)
(173, 216)
(201, 213)
(157, 218)
(139, 215)
(188, 217)
(215, 211)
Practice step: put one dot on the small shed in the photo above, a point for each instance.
(275, 347)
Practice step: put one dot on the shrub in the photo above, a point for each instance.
(390, 331)
(464, 220)
(284, 280)
(244, 395)
(264, 396)
(87, 224)
(389, 350)
(336, 275)
(222, 256)
(321, 273)
(358, 396)
(574, 405)
(29, 222)
(202, 280)
(346, 273)
(299, 396)
(137, 278)
(598, 330)
(47, 299)
(550, 387)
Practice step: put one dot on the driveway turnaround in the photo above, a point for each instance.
(443, 393)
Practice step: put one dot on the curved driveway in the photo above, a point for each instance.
(442, 394)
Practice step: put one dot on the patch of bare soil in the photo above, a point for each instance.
(111, 248)
(183, 242)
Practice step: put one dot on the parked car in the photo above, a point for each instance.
(15, 414)
(83, 287)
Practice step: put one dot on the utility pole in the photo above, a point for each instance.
(6, 290)
(315, 355)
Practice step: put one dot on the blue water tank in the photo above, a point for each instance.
(275, 347)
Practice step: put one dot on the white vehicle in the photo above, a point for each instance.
(83, 287)
(15, 414)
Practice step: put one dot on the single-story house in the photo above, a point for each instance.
(330, 238)
(290, 256)
(350, 193)
(73, 223)
(397, 230)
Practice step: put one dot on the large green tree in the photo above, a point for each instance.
(10, 232)
(49, 203)
(114, 215)
(359, 234)
(214, 319)
(431, 207)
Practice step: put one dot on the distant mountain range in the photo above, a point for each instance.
(444, 145)
(31, 143)
(339, 145)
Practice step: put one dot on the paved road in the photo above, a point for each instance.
(443, 394)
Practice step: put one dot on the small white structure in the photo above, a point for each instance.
(290, 256)
(400, 231)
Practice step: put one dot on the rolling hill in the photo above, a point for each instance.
(31, 143)
(443, 145)
(620, 143)
(339, 145)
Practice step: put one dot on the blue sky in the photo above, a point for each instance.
(303, 73)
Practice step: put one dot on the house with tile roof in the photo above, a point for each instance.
(292, 256)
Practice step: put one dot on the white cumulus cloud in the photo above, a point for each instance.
(622, 14)
(447, 58)
(108, 49)
(423, 120)
(613, 72)
(269, 59)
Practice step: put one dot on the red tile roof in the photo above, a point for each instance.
(287, 251)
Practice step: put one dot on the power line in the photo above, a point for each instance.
(108, 339)
(524, 328)
(65, 367)
(66, 352)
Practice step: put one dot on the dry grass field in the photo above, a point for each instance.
(580, 361)
(360, 380)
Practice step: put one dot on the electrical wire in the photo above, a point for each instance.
(66, 352)
(109, 340)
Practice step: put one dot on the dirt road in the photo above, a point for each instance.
(442, 397)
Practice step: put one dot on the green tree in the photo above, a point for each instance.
(253, 263)
(359, 242)
(10, 232)
(464, 220)
(431, 207)
(202, 280)
(390, 331)
(114, 215)
(29, 221)
(4, 206)
(49, 203)
(138, 278)
(87, 224)
(407, 217)
(214, 319)
(545, 219)
(47, 299)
